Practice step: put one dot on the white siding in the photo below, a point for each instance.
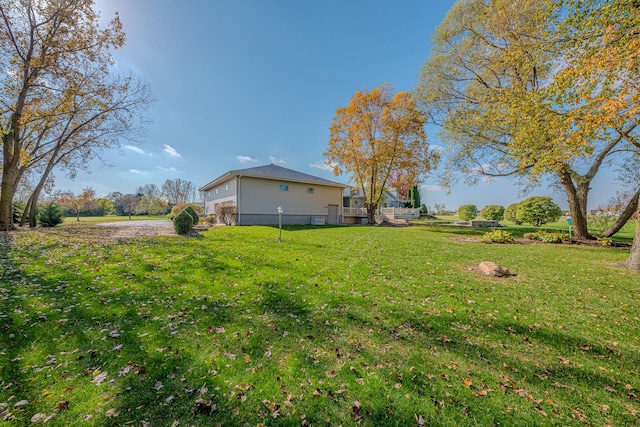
(263, 196)
(224, 197)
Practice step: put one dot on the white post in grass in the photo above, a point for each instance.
(280, 223)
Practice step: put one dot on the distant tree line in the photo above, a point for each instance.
(148, 199)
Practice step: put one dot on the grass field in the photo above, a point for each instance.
(359, 325)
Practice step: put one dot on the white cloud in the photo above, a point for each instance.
(432, 187)
(246, 159)
(322, 166)
(277, 161)
(169, 169)
(170, 151)
(136, 171)
(134, 148)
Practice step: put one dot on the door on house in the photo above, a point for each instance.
(332, 218)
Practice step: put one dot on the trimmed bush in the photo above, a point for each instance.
(497, 236)
(510, 213)
(227, 214)
(492, 212)
(538, 210)
(182, 222)
(467, 212)
(194, 215)
(51, 215)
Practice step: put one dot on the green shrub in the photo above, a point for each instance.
(605, 241)
(467, 212)
(227, 214)
(18, 210)
(538, 210)
(497, 236)
(51, 215)
(183, 222)
(546, 237)
(194, 215)
(510, 213)
(180, 207)
(492, 212)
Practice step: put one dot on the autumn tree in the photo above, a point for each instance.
(85, 201)
(176, 191)
(604, 68)
(498, 84)
(375, 135)
(59, 103)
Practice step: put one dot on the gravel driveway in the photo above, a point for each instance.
(137, 228)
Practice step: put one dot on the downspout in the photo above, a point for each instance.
(238, 197)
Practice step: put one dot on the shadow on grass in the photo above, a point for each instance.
(216, 352)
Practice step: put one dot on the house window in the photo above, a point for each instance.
(216, 191)
(226, 187)
(208, 193)
(310, 190)
(284, 187)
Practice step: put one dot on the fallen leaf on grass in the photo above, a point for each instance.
(20, 404)
(633, 411)
(355, 411)
(112, 413)
(274, 408)
(99, 377)
(205, 406)
(62, 405)
(38, 418)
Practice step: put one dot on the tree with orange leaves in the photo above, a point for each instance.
(377, 134)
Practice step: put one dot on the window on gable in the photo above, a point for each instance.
(216, 191)
(226, 187)
(310, 190)
(284, 187)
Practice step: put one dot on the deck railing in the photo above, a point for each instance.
(391, 213)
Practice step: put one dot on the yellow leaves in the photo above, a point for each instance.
(377, 133)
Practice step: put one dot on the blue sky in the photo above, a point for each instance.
(242, 83)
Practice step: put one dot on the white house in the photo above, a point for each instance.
(258, 192)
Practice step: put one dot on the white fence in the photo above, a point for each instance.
(389, 213)
(354, 211)
(400, 213)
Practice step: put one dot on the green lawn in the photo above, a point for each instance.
(357, 325)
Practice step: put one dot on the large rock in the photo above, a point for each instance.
(493, 269)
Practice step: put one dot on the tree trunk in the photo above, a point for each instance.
(371, 214)
(625, 217)
(10, 174)
(633, 261)
(577, 198)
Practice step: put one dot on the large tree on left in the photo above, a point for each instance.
(44, 47)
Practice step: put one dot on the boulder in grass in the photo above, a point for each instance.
(494, 269)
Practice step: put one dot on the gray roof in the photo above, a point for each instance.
(273, 172)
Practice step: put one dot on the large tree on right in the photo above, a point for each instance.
(535, 89)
